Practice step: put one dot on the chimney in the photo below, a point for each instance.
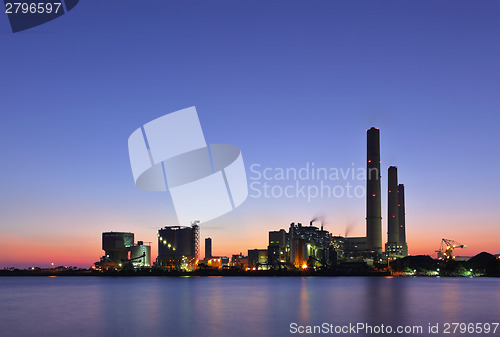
(373, 197)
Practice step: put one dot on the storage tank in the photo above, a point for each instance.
(176, 244)
(140, 255)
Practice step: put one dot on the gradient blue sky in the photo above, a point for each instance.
(289, 82)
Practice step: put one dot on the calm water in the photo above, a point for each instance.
(235, 306)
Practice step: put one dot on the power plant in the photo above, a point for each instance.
(300, 247)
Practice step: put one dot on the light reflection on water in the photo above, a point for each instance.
(234, 306)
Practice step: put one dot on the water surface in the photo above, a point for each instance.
(235, 306)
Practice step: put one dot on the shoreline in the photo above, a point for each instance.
(216, 273)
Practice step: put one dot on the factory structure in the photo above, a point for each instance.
(299, 247)
(211, 261)
(313, 247)
(370, 247)
(121, 252)
(396, 246)
(178, 247)
(373, 193)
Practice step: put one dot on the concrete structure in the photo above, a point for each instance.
(239, 261)
(214, 263)
(355, 244)
(277, 248)
(120, 252)
(393, 247)
(338, 245)
(218, 262)
(208, 248)
(116, 245)
(402, 221)
(309, 246)
(140, 255)
(177, 247)
(257, 258)
(373, 197)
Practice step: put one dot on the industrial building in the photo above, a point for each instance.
(278, 248)
(239, 261)
(217, 262)
(309, 245)
(178, 247)
(300, 247)
(140, 255)
(213, 261)
(355, 247)
(121, 252)
(116, 245)
(257, 258)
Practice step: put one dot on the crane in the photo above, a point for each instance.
(445, 251)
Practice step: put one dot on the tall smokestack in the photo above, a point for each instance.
(392, 247)
(401, 215)
(208, 248)
(392, 206)
(373, 200)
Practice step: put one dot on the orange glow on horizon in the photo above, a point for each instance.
(83, 249)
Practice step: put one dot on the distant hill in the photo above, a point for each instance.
(417, 262)
(485, 262)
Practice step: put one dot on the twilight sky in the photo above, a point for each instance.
(292, 83)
